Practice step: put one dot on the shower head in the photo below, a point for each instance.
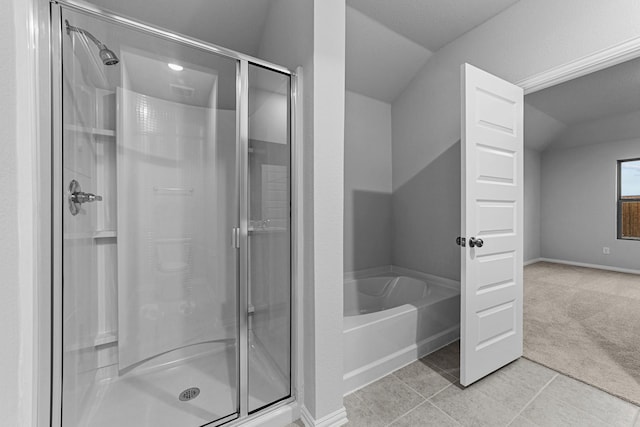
(107, 56)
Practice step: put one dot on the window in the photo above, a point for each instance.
(629, 199)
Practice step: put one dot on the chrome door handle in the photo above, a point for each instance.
(473, 242)
(78, 197)
(461, 241)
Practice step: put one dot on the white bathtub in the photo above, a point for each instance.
(392, 320)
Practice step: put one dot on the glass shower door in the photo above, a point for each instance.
(269, 311)
(149, 291)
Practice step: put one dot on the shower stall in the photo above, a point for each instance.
(172, 293)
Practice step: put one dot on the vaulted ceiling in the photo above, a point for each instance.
(387, 41)
(431, 23)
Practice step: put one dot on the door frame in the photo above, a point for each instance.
(596, 61)
(599, 60)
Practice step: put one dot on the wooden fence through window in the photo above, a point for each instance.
(631, 218)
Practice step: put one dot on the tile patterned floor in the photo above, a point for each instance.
(523, 393)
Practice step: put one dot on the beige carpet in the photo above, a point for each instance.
(585, 323)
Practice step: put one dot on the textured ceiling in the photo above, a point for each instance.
(431, 23)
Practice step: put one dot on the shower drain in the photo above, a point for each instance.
(188, 394)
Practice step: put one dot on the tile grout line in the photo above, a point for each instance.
(406, 413)
(445, 414)
(439, 371)
(444, 373)
(435, 365)
(435, 394)
(597, 417)
(412, 389)
(430, 401)
(417, 392)
(533, 398)
(426, 399)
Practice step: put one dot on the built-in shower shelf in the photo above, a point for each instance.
(87, 343)
(260, 230)
(101, 234)
(91, 131)
(105, 338)
(105, 234)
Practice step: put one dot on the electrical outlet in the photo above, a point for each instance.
(606, 250)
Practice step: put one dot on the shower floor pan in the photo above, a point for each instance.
(151, 397)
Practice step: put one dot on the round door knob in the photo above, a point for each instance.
(473, 242)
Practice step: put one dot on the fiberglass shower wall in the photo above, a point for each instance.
(166, 160)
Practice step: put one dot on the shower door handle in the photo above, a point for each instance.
(235, 238)
(78, 197)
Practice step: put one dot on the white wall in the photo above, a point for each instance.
(328, 201)
(367, 183)
(532, 181)
(9, 244)
(525, 39)
(366, 73)
(540, 129)
(616, 128)
(579, 205)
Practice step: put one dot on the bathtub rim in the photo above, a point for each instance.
(401, 271)
(351, 323)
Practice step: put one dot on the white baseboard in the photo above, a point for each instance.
(532, 261)
(372, 372)
(597, 266)
(334, 419)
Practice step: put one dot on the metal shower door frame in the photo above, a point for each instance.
(242, 191)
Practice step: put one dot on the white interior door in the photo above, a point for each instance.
(492, 221)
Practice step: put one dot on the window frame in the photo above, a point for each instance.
(620, 200)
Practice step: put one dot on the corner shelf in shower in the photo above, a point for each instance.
(91, 131)
(104, 338)
(259, 230)
(100, 234)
